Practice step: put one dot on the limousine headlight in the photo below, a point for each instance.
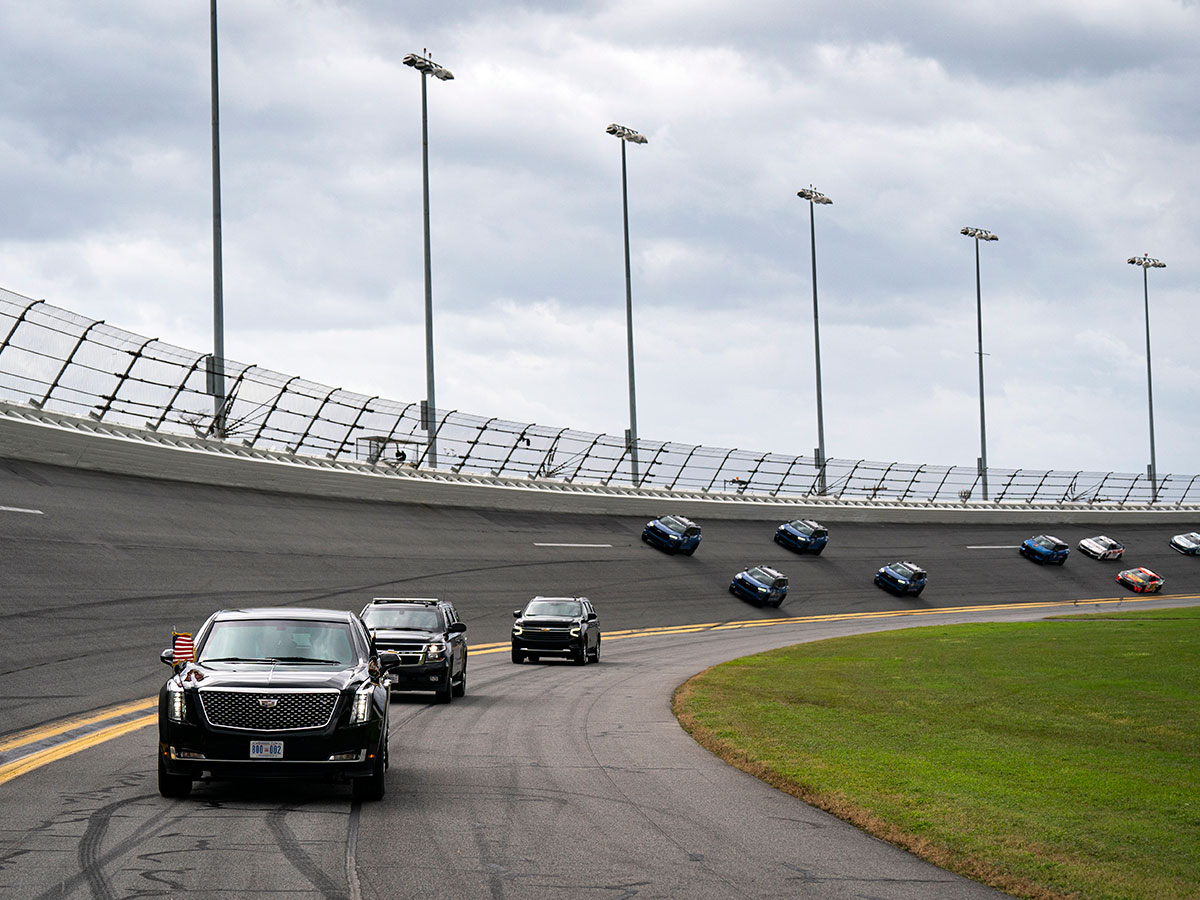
(176, 702)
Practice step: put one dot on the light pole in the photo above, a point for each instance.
(216, 372)
(1147, 263)
(628, 135)
(980, 235)
(426, 66)
(814, 197)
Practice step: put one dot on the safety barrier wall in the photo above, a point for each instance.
(57, 361)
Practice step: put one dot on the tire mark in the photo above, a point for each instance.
(352, 851)
(295, 854)
(92, 861)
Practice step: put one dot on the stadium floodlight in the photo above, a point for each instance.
(980, 234)
(426, 66)
(813, 197)
(1147, 263)
(626, 134)
(629, 136)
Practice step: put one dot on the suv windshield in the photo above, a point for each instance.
(279, 640)
(671, 523)
(566, 608)
(403, 618)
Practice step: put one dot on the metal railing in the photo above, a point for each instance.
(58, 361)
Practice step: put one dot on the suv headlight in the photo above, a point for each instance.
(518, 630)
(360, 709)
(176, 702)
(575, 631)
(435, 650)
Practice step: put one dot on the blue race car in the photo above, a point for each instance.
(760, 584)
(803, 536)
(902, 578)
(1187, 544)
(675, 534)
(1045, 548)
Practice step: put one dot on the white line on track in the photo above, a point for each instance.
(17, 509)
(992, 546)
(537, 544)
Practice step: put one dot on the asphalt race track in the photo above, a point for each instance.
(546, 780)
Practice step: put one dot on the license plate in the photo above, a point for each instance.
(266, 749)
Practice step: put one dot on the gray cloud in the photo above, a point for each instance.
(1067, 129)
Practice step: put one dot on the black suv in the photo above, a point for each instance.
(276, 693)
(428, 637)
(556, 626)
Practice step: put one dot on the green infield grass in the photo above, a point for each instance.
(1052, 759)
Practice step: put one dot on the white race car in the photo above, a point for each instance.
(1102, 547)
(1187, 543)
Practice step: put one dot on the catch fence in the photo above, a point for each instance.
(55, 360)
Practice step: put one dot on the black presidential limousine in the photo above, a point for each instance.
(276, 693)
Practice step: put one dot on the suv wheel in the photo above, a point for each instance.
(517, 655)
(579, 655)
(460, 689)
(445, 693)
(175, 786)
(595, 655)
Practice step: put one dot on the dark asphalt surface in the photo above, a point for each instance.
(545, 781)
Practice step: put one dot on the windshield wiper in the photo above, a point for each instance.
(308, 659)
(249, 659)
(274, 659)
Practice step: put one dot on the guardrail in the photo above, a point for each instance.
(54, 360)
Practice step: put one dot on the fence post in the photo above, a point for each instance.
(17, 324)
(916, 475)
(111, 398)
(646, 472)
(1155, 494)
(350, 430)
(433, 440)
(845, 484)
(274, 406)
(786, 473)
(620, 459)
(941, 484)
(679, 474)
(466, 456)
(513, 449)
(1132, 485)
(312, 421)
(750, 477)
(548, 459)
(219, 423)
(717, 474)
(1037, 490)
(179, 390)
(584, 458)
(879, 485)
(1008, 484)
(66, 365)
(399, 419)
(1184, 495)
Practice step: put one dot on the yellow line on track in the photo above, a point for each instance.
(11, 770)
(33, 735)
(17, 767)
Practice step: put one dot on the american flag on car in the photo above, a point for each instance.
(185, 649)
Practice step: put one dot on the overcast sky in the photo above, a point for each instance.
(1070, 128)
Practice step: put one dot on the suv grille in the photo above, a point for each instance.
(268, 710)
(412, 653)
